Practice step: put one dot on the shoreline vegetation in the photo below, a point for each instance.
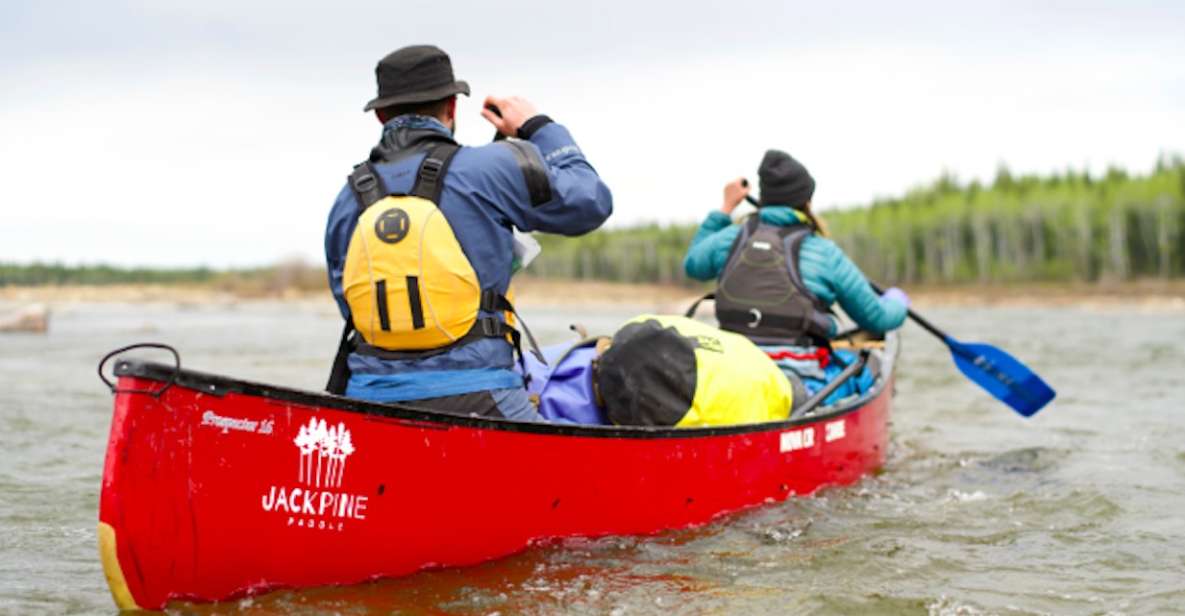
(1062, 228)
(1022, 240)
(533, 292)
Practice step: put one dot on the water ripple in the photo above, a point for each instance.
(976, 511)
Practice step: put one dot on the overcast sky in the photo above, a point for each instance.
(219, 132)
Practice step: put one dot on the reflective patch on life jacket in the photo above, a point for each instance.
(392, 225)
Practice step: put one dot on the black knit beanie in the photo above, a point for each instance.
(784, 181)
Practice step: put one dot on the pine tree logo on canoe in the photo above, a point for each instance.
(317, 502)
(329, 447)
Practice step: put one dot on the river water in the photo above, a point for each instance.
(1075, 511)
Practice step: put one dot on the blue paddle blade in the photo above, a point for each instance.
(1002, 375)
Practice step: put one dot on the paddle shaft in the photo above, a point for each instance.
(852, 370)
(917, 318)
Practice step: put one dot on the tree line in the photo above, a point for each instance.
(1061, 227)
(59, 274)
(1067, 226)
(289, 274)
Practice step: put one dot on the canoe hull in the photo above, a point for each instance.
(210, 492)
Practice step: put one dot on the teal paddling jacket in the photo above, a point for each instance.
(827, 272)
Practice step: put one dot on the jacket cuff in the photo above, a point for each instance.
(556, 144)
(533, 124)
(717, 220)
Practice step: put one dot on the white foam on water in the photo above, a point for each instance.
(967, 497)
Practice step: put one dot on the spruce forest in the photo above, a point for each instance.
(1069, 227)
(1064, 227)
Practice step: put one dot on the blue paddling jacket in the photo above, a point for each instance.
(827, 272)
(543, 183)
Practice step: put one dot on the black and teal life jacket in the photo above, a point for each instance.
(760, 293)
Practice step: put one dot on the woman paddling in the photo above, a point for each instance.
(778, 274)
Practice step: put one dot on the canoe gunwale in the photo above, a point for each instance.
(218, 385)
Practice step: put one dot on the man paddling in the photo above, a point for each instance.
(419, 243)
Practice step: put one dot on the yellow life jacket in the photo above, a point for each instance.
(406, 279)
(675, 371)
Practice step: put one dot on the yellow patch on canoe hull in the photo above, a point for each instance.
(115, 579)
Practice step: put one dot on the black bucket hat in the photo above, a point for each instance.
(415, 74)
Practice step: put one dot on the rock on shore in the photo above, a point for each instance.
(32, 318)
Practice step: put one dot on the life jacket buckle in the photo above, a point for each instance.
(430, 171)
(365, 182)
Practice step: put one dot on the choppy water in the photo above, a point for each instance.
(1077, 511)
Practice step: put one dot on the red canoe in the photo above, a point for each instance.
(221, 488)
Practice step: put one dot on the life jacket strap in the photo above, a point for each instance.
(430, 176)
(483, 327)
(339, 374)
(815, 332)
(492, 301)
(369, 188)
(367, 185)
(793, 238)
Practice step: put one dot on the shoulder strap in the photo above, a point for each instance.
(751, 224)
(430, 176)
(748, 228)
(818, 322)
(368, 187)
(747, 231)
(796, 233)
(792, 239)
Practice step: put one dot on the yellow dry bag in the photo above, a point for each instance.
(675, 371)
